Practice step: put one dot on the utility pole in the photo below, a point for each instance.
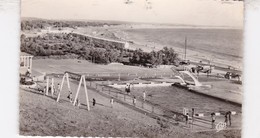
(185, 48)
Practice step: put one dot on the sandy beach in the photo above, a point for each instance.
(221, 46)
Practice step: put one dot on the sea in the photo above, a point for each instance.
(225, 44)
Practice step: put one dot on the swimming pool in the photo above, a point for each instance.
(176, 99)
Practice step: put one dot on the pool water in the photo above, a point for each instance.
(176, 99)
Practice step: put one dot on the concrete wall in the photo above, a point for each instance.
(148, 84)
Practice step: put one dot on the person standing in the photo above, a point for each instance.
(144, 95)
(187, 119)
(50, 87)
(213, 119)
(28, 72)
(54, 89)
(226, 118)
(77, 102)
(112, 102)
(126, 89)
(192, 114)
(94, 102)
(70, 96)
(44, 90)
(134, 101)
(229, 117)
(58, 88)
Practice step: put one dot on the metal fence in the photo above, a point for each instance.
(125, 76)
(139, 103)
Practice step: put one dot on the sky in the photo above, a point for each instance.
(9, 40)
(191, 12)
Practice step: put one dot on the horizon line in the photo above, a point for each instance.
(135, 22)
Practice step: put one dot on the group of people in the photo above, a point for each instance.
(227, 119)
(71, 99)
(144, 97)
(70, 96)
(190, 119)
(49, 88)
(127, 89)
(111, 102)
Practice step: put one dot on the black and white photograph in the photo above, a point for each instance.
(131, 68)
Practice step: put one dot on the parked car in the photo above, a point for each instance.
(184, 62)
(230, 75)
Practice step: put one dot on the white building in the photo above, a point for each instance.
(25, 62)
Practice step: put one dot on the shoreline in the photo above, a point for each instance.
(121, 35)
(195, 55)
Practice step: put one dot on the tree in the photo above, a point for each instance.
(112, 55)
(152, 58)
(99, 51)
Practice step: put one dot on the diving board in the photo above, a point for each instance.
(196, 81)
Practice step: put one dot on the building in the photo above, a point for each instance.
(127, 45)
(25, 62)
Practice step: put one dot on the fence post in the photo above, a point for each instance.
(47, 86)
(152, 109)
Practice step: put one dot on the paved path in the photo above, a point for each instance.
(223, 90)
(204, 123)
(199, 124)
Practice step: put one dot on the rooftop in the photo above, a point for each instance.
(25, 54)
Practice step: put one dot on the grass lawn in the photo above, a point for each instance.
(83, 66)
(43, 116)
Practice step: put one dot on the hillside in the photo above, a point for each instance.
(71, 45)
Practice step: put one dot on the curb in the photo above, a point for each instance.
(216, 113)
